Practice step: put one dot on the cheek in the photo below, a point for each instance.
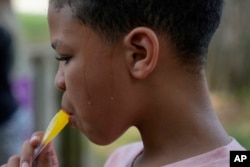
(99, 80)
(89, 88)
(92, 91)
(75, 83)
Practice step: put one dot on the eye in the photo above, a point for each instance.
(64, 58)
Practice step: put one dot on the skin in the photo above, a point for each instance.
(93, 106)
(135, 82)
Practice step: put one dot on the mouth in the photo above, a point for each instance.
(72, 120)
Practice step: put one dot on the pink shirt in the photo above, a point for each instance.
(125, 155)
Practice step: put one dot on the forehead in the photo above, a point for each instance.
(60, 16)
(62, 19)
(65, 29)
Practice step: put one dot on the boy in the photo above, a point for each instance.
(136, 63)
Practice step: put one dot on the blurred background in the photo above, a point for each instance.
(34, 68)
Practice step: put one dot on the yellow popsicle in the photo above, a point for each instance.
(58, 122)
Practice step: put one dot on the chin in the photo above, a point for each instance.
(101, 137)
(101, 140)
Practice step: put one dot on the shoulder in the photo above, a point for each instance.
(124, 156)
(215, 158)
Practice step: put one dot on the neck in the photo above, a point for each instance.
(181, 125)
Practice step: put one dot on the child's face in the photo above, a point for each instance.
(91, 74)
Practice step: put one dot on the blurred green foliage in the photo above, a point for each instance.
(34, 27)
(240, 124)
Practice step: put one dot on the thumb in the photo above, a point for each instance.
(47, 157)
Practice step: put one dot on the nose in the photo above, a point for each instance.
(59, 79)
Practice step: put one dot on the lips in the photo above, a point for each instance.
(67, 111)
(72, 120)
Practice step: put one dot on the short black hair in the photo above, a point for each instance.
(189, 24)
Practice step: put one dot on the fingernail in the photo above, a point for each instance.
(34, 138)
(25, 164)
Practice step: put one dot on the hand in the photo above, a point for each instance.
(47, 158)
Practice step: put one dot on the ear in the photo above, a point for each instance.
(143, 49)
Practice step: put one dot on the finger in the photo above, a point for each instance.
(14, 161)
(38, 134)
(36, 138)
(27, 152)
(29, 147)
(4, 165)
(48, 157)
(35, 141)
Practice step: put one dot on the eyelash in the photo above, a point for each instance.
(64, 58)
